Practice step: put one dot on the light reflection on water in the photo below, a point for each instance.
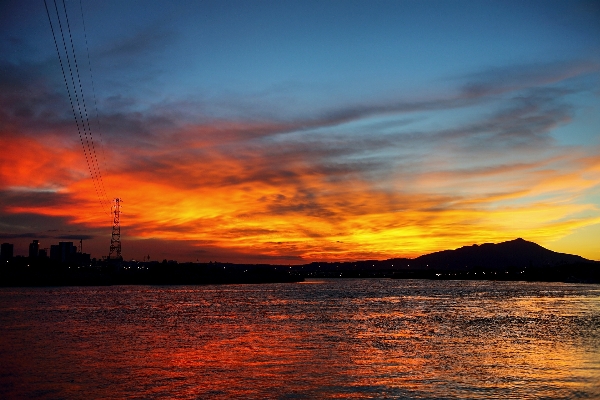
(328, 339)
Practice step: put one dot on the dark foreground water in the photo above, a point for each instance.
(319, 339)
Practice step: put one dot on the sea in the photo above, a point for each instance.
(319, 339)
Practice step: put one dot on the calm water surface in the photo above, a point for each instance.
(319, 339)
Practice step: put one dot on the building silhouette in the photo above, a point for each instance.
(62, 252)
(6, 251)
(66, 253)
(34, 249)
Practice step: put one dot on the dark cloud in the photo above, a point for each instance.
(305, 202)
(236, 232)
(162, 144)
(525, 123)
(33, 199)
(137, 47)
(478, 87)
(21, 228)
(157, 145)
(19, 224)
(123, 119)
(30, 102)
(134, 128)
(75, 237)
(12, 223)
(28, 235)
(500, 80)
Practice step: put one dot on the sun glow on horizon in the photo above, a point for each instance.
(245, 206)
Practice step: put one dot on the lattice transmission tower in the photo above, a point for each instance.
(115, 240)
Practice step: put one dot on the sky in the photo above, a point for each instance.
(299, 131)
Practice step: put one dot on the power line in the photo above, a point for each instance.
(62, 65)
(88, 160)
(87, 48)
(96, 166)
(91, 160)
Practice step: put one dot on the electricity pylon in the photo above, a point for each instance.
(115, 240)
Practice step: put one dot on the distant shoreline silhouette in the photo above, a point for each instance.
(515, 260)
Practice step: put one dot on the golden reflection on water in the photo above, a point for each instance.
(335, 339)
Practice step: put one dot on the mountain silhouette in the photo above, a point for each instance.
(517, 253)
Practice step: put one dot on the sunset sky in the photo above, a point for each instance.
(296, 131)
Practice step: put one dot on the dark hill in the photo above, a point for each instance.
(516, 253)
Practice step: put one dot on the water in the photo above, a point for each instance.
(321, 339)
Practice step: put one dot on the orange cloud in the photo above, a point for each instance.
(275, 200)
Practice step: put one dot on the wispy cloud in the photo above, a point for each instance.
(307, 188)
